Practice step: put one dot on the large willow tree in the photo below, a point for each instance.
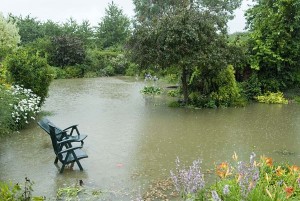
(188, 34)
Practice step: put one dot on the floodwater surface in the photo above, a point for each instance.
(134, 140)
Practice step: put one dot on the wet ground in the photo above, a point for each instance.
(134, 140)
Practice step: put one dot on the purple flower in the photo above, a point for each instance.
(215, 196)
(226, 190)
(248, 175)
(188, 180)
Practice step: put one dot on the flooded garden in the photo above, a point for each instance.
(134, 140)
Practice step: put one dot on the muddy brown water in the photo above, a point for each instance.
(134, 140)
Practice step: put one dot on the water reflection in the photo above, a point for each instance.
(134, 140)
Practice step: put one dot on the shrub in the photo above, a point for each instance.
(251, 87)
(6, 98)
(132, 70)
(30, 71)
(228, 91)
(173, 93)
(270, 97)
(17, 107)
(66, 51)
(25, 106)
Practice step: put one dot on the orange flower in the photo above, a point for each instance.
(223, 170)
(279, 171)
(294, 168)
(269, 161)
(289, 191)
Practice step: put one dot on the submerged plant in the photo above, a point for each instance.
(151, 90)
(270, 97)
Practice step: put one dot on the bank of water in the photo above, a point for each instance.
(134, 140)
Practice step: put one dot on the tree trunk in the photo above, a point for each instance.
(184, 85)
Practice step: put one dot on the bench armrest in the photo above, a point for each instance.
(69, 149)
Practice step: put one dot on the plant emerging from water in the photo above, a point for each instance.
(16, 192)
(151, 89)
(270, 97)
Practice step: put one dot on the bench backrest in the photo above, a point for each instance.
(44, 124)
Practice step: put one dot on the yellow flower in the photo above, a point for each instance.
(279, 171)
(235, 156)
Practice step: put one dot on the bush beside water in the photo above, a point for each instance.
(18, 106)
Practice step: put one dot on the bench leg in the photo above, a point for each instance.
(56, 160)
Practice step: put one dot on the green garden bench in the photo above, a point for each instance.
(64, 151)
(62, 134)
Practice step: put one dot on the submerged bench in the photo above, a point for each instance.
(62, 140)
(65, 153)
(62, 134)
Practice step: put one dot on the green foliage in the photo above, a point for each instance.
(15, 192)
(174, 104)
(10, 192)
(274, 28)
(77, 192)
(201, 101)
(239, 180)
(172, 78)
(68, 72)
(66, 51)
(107, 63)
(6, 100)
(9, 37)
(173, 93)
(132, 70)
(114, 29)
(30, 71)
(182, 34)
(151, 90)
(68, 192)
(18, 107)
(83, 32)
(30, 29)
(251, 87)
(228, 91)
(270, 97)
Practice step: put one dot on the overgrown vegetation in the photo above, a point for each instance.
(17, 192)
(185, 41)
(270, 97)
(253, 180)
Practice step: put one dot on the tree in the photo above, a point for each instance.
(28, 69)
(9, 36)
(29, 28)
(51, 29)
(275, 39)
(114, 29)
(66, 50)
(190, 35)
